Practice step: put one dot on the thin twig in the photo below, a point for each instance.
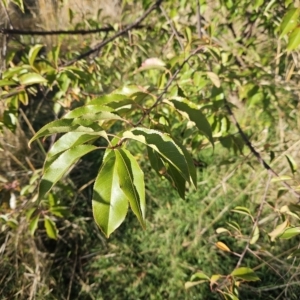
(118, 34)
(173, 28)
(255, 153)
(255, 223)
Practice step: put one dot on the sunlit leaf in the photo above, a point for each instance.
(199, 275)
(255, 236)
(66, 125)
(244, 273)
(86, 110)
(222, 230)
(110, 204)
(31, 78)
(278, 230)
(223, 247)
(290, 233)
(294, 39)
(51, 229)
(33, 52)
(289, 21)
(214, 78)
(60, 166)
(242, 210)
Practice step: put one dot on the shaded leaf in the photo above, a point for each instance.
(195, 115)
(293, 165)
(132, 182)
(164, 145)
(34, 224)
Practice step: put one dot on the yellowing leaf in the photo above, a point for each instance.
(278, 230)
(214, 78)
(222, 247)
(255, 236)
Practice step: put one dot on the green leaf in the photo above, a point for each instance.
(293, 165)
(31, 78)
(152, 63)
(278, 230)
(50, 227)
(70, 140)
(290, 232)
(60, 211)
(191, 165)
(110, 203)
(85, 110)
(164, 145)
(60, 166)
(199, 275)
(33, 52)
(108, 99)
(66, 125)
(132, 183)
(244, 273)
(156, 161)
(255, 235)
(242, 210)
(33, 224)
(176, 180)
(6, 82)
(214, 78)
(289, 21)
(19, 3)
(294, 39)
(195, 115)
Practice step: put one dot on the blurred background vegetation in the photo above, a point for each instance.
(62, 254)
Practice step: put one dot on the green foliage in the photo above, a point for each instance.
(158, 101)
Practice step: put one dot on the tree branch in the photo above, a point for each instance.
(58, 32)
(118, 34)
